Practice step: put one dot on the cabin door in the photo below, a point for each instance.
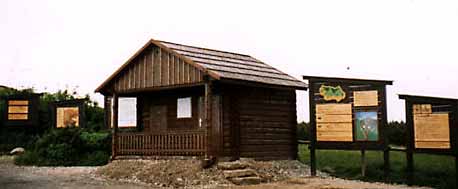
(155, 118)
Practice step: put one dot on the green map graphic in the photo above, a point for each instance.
(332, 93)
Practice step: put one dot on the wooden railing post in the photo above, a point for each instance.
(114, 145)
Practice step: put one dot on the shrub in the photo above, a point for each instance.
(69, 147)
(396, 132)
(302, 131)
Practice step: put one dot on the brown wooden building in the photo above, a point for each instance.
(197, 101)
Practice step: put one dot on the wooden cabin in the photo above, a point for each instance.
(193, 101)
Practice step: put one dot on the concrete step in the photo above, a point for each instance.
(239, 173)
(232, 165)
(246, 180)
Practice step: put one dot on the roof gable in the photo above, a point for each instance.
(217, 64)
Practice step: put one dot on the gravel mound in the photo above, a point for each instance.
(189, 174)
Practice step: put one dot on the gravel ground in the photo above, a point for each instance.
(167, 174)
(29, 177)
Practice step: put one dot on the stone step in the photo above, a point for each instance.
(239, 173)
(232, 165)
(246, 180)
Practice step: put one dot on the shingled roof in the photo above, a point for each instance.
(226, 65)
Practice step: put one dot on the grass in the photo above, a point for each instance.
(430, 170)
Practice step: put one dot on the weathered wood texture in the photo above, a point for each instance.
(263, 122)
(365, 98)
(334, 122)
(432, 130)
(155, 68)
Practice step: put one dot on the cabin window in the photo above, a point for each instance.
(127, 112)
(18, 110)
(184, 107)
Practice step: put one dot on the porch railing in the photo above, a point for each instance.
(187, 143)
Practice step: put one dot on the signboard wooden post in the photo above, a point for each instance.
(347, 114)
(432, 126)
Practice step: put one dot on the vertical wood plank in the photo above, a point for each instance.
(177, 71)
(159, 56)
(172, 70)
(150, 74)
(164, 69)
(135, 73)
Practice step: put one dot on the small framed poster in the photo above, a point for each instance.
(366, 126)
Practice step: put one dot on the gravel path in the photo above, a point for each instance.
(25, 177)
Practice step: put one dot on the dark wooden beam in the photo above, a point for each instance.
(115, 126)
(312, 131)
(208, 117)
(350, 80)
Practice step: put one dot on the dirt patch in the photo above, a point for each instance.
(164, 173)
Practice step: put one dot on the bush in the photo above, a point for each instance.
(396, 132)
(302, 131)
(69, 147)
(10, 139)
(20, 137)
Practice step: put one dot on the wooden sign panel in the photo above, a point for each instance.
(431, 130)
(18, 110)
(18, 116)
(18, 102)
(334, 122)
(365, 98)
(67, 116)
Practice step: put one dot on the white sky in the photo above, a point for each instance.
(63, 44)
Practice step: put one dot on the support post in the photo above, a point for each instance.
(208, 118)
(363, 162)
(386, 160)
(312, 130)
(410, 142)
(386, 142)
(114, 145)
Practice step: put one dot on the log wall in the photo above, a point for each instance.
(260, 123)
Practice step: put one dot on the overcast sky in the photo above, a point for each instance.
(52, 45)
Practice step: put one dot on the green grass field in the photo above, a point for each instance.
(430, 170)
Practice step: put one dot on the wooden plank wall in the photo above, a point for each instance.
(155, 67)
(267, 121)
(152, 120)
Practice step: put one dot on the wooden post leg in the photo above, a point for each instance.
(410, 167)
(456, 170)
(312, 160)
(386, 161)
(363, 162)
